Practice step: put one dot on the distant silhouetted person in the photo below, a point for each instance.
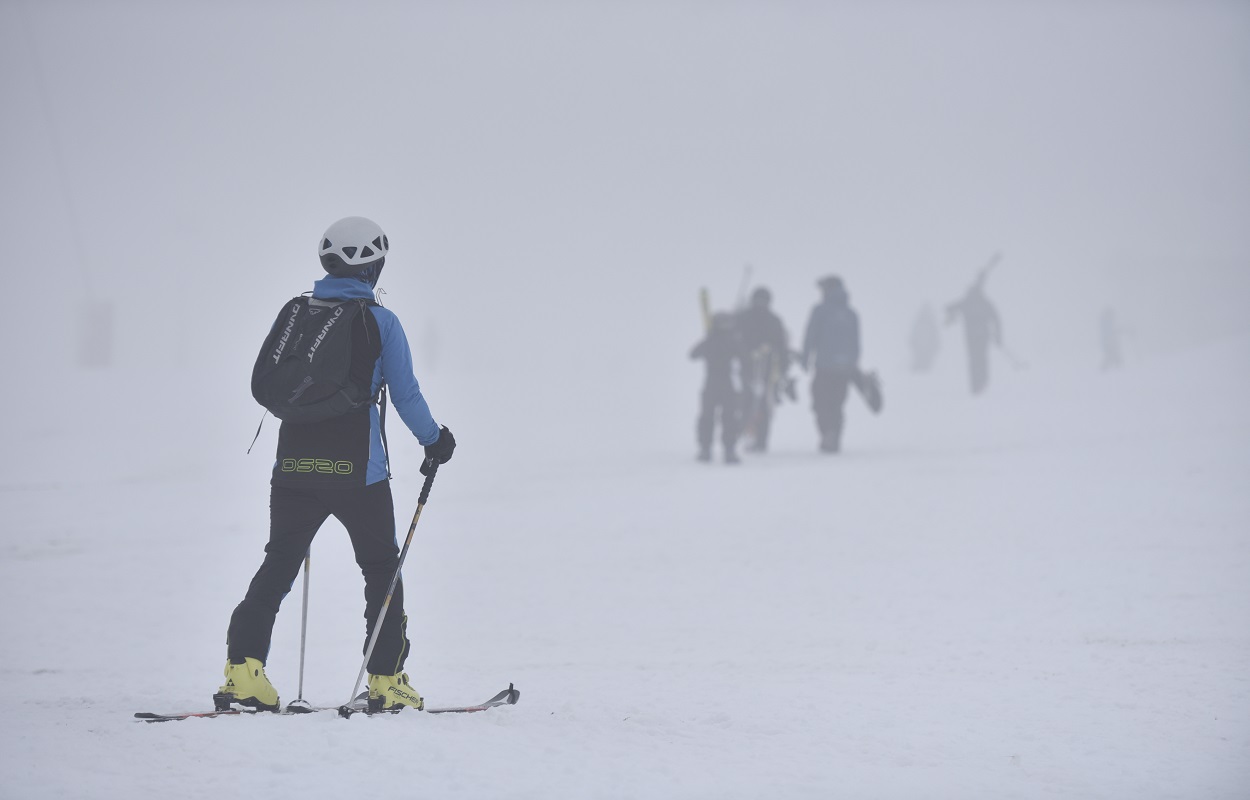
(831, 347)
(925, 340)
(982, 327)
(767, 350)
(721, 350)
(1109, 335)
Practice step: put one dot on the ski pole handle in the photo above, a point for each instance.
(431, 467)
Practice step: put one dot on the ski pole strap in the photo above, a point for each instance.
(257, 436)
(432, 466)
(386, 450)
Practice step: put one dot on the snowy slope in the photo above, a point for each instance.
(1039, 594)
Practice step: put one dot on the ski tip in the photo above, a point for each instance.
(513, 695)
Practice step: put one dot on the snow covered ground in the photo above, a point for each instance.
(1043, 593)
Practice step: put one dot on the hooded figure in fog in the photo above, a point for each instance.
(767, 350)
(982, 327)
(331, 459)
(721, 350)
(831, 348)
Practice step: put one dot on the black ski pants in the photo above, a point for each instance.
(829, 390)
(717, 401)
(295, 515)
(978, 364)
(760, 418)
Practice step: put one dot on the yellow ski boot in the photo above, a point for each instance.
(247, 685)
(392, 693)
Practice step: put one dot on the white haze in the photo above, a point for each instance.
(559, 179)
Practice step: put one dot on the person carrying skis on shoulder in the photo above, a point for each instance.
(331, 458)
(982, 328)
(721, 350)
(767, 349)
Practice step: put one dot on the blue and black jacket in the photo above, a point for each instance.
(352, 443)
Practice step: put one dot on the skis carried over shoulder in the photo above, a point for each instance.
(507, 697)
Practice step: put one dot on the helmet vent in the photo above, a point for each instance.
(378, 243)
(325, 245)
(366, 252)
(386, 245)
(350, 251)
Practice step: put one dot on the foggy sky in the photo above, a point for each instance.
(559, 179)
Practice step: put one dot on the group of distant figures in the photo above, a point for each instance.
(748, 359)
(983, 328)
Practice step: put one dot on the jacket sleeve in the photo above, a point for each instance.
(405, 392)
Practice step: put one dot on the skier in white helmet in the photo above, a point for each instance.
(335, 464)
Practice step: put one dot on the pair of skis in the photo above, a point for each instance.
(507, 697)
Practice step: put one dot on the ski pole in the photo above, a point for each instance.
(299, 704)
(432, 465)
(303, 623)
(1015, 360)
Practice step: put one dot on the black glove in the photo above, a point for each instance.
(439, 452)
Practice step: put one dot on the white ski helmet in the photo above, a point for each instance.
(352, 245)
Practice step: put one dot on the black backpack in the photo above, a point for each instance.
(317, 362)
